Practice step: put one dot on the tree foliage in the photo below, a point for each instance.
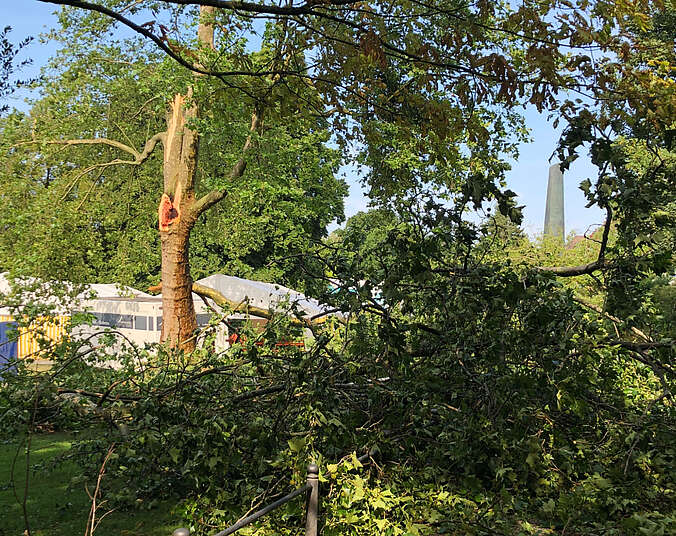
(499, 386)
(9, 65)
(108, 212)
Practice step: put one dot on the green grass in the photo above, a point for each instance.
(56, 510)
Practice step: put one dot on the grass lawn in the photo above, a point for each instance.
(56, 510)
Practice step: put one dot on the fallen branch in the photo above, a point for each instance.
(97, 396)
(585, 269)
(85, 407)
(92, 521)
(573, 271)
(614, 319)
(242, 307)
(258, 392)
(643, 346)
(222, 301)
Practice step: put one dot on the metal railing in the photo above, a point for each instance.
(311, 514)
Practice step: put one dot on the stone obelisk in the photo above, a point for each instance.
(554, 219)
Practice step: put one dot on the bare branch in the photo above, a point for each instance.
(86, 195)
(92, 141)
(149, 147)
(92, 522)
(139, 158)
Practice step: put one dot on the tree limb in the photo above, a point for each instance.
(257, 392)
(97, 396)
(221, 75)
(573, 271)
(222, 301)
(606, 231)
(92, 141)
(584, 269)
(657, 367)
(139, 158)
(311, 8)
(643, 346)
(149, 147)
(614, 319)
(207, 201)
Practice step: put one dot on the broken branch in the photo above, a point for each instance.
(222, 301)
(614, 319)
(586, 269)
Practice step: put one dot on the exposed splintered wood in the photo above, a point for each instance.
(168, 213)
(177, 212)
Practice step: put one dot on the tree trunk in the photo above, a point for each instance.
(177, 210)
(176, 219)
(178, 311)
(175, 222)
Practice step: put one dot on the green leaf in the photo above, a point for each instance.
(296, 444)
(381, 523)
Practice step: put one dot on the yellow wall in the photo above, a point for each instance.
(53, 329)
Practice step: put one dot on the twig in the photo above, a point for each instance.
(92, 523)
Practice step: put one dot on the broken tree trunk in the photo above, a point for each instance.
(176, 220)
(178, 312)
(176, 211)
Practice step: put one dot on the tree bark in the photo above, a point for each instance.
(178, 311)
(176, 210)
(181, 147)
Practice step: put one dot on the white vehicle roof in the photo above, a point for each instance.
(39, 291)
(113, 290)
(260, 294)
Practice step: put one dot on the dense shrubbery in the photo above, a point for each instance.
(491, 399)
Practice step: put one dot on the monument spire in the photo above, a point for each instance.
(554, 217)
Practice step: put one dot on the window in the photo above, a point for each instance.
(141, 322)
(125, 321)
(113, 320)
(203, 320)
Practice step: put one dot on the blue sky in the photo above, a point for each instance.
(528, 177)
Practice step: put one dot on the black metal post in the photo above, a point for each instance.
(312, 517)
